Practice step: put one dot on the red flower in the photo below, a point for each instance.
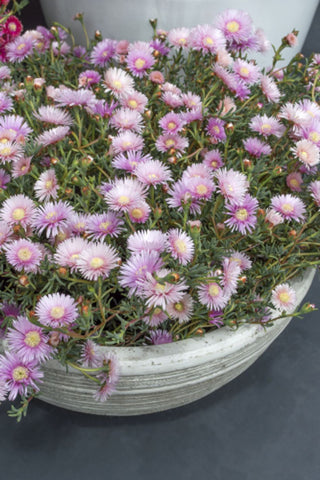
(12, 27)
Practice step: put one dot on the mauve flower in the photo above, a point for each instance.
(10, 151)
(46, 186)
(23, 255)
(181, 310)
(155, 316)
(127, 141)
(125, 193)
(68, 251)
(212, 295)
(4, 179)
(270, 89)
(213, 159)
(307, 152)
(179, 37)
(233, 185)
(88, 78)
(18, 375)
(241, 259)
(101, 225)
(242, 215)
(206, 38)
(147, 240)
(180, 245)
(129, 160)
(247, 71)
(103, 108)
(56, 310)
(103, 52)
(117, 81)
(140, 212)
(54, 135)
(134, 100)
(170, 141)
(152, 172)
(236, 25)
(19, 49)
(134, 271)
(21, 166)
(6, 103)
(108, 380)
(52, 217)
(140, 58)
(230, 276)
(54, 115)
(28, 341)
(311, 131)
(18, 209)
(294, 181)
(127, 119)
(180, 196)
(215, 129)
(314, 188)
(256, 147)
(290, 207)
(171, 123)
(266, 126)
(158, 292)
(16, 126)
(5, 233)
(284, 298)
(82, 97)
(97, 260)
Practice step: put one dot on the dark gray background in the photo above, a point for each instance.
(264, 425)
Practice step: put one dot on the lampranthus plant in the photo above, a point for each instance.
(149, 191)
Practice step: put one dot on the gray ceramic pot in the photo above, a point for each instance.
(156, 378)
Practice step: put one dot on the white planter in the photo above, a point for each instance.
(128, 19)
(156, 378)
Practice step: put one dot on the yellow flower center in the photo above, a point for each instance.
(104, 225)
(284, 297)
(182, 41)
(294, 182)
(80, 225)
(314, 137)
(201, 189)
(214, 163)
(127, 144)
(96, 262)
(24, 253)
(137, 213)
(74, 256)
(12, 26)
(157, 310)
(57, 312)
(213, 290)
(304, 155)
(171, 125)
(180, 245)
(133, 103)
(287, 207)
(242, 214)
(266, 127)
(216, 129)
(117, 84)
(208, 41)
(244, 71)
(4, 140)
(32, 339)
(233, 26)
(123, 200)
(160, 287)
(48, 184)
(6, 151)
(50, 215)
(139, 63)
(18, 214)
(178, 306)
(21, 46)
(169, 142)
(20, 373)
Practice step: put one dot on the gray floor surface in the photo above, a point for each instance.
(264, 425)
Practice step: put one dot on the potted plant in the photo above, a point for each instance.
(159, 211)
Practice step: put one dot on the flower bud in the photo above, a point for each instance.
(62, 271)
(23, 280)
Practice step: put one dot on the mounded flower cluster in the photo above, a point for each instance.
(150, 191)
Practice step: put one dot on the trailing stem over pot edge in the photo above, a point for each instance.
(149, 191)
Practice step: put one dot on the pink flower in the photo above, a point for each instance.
(284, 298)
(103, 52)
(108, 380)
(242, 215)
(54, 115)
(140, 58)
(290, 207)
(233, 185)
(133, 272)
(28, 341)
(294, 180)
(256, 147)
(10, 151)
(19, 375)
(152, 172)
(21, 166)
(212, 295)
(270, 89)
(179, 37)
(314, 188)
(127, 141)
(170, 141)
(56, 310)
(182, 310)
(307, 152)
(213, 160)
(247, 71)
(171, 122)
(206, 38)
(19, 49)
(101, 225)
(147, 240)
(23, 255)
(180, 245)
(134, 100)
(18, 209)
(89, 78)
(266, 126)
(125, 193)
(46, 186)
(118, 82)
(155, 316)
(139, 213)
(15, 126)
(241, 259)
(236, 25)
(68, 97)
(54, 135)
(5, 233)
(215, 129)
(68, 251)
(274, 217)
(159, 292)
(127, 119)
(52, 217)
(231, 273)
(97, 260)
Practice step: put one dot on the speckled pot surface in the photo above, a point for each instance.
(156, 378)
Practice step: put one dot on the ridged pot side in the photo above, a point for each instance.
(157, 378)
